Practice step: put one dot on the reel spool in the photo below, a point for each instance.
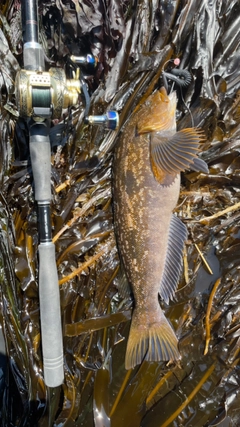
(45, 94)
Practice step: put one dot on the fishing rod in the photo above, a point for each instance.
(41, 96)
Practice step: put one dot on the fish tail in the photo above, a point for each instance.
(152, 342)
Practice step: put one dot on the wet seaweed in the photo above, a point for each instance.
(133, 41)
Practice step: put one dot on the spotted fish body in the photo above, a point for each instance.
(147, 165)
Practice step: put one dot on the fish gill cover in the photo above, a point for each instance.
(133, 40)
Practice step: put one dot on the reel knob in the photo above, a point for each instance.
(88, 60)
(110, 120)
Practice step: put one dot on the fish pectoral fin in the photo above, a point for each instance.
(199, 166)
(176, 153)
(173, 261)
(154, 342)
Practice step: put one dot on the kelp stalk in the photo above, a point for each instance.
(208, 335)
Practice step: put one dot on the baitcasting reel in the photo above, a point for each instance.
(41, 94)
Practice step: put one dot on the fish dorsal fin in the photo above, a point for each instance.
(174, 153)
(173, 262)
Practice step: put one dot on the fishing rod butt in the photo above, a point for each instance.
(53, 372)
(50, 316)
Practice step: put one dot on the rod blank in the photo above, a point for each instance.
(30, 21)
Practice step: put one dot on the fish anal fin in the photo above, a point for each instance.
(154, 342)
(174, 153)
(173, 261)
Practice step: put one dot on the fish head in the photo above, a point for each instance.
(158, 113)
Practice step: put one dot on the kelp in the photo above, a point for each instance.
(134, 41)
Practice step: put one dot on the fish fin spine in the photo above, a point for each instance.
(154, 342)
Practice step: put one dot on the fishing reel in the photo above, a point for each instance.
(45, 94)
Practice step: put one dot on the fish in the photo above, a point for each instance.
(148, 160)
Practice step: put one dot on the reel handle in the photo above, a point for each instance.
(110, 120)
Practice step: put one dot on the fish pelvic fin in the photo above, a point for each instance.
(175, 153)
(155, 342)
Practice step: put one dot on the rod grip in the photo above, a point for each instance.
(40, 152)
(50, 316)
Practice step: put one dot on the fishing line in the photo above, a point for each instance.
(188, 109)
(176, 61)
(181, 77)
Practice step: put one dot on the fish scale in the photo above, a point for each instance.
(145, 195)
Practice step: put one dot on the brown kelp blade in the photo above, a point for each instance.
(154, 342)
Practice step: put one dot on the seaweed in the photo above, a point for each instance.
(133, 40)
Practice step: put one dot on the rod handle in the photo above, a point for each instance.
(40, 153)
(50, 316)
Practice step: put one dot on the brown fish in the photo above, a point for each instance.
(148, 160)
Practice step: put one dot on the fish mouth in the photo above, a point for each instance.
(159, 113)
